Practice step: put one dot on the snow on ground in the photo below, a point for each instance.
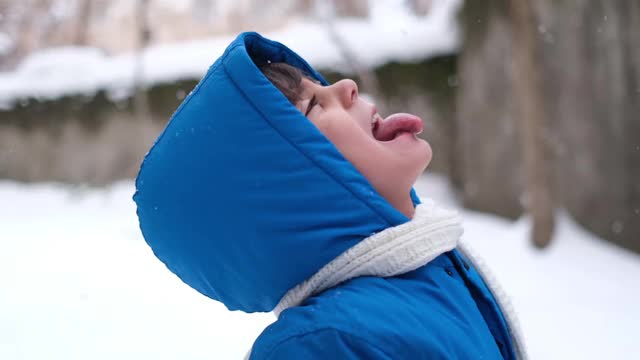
(77, 281)
(391, 33)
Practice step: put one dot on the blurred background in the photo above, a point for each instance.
(531, 107)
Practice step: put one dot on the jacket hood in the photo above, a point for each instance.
(241, 196)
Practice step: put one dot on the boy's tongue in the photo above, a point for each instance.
(396, 124)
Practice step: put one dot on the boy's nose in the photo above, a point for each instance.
(347, 91)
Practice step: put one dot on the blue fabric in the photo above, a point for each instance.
(239, 181)
(243, 198)
(486, 303)
(425, 314)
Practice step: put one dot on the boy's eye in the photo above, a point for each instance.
(312, 103)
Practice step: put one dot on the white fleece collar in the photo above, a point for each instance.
(393, 251)
(397, 250)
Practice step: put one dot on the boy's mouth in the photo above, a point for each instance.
(394, 125)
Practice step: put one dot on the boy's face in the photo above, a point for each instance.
(391, 163)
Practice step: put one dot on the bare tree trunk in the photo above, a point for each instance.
(202, 10)
(28, 36)
(141, 102)
(368, 79)
(420, 7)
(352, 8)
(538, 160)
(82, 26)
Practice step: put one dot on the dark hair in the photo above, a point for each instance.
(285, 77)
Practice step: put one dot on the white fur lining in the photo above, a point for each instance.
(393, 251)
(396, 250)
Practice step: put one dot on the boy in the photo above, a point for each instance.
(271, 190)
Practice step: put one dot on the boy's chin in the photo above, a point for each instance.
(427, 152)
(420, 155)
(415, 168)
(411, 145)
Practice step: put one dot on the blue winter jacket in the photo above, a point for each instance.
(243, 198)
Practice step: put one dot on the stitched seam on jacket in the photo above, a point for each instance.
(304, 153)
(316, 331)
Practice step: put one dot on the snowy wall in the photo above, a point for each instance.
(97, 139)
(67, 113)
